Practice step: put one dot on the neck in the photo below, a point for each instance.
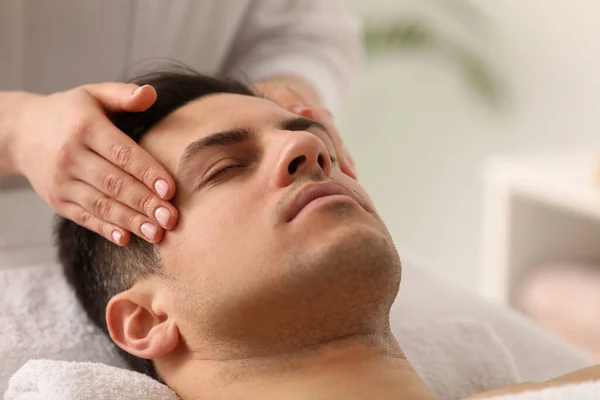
(354, 368)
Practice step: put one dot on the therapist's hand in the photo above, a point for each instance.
(295, 95)
(88, 170)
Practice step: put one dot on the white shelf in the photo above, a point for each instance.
(538, 209)
(569, 181)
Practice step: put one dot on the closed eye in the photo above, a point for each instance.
(220, 173)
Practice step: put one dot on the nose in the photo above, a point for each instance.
(303, 154)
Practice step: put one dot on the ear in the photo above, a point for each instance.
(139, 329)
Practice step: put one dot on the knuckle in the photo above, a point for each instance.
(121, 155)
(83, 218)
(79, 127)
(55, 178)
(113, 185)
(146, 203)
(54, 201)
(63, 156)
(133, 222)
(147, 173)
(101, 206)
(102, 228)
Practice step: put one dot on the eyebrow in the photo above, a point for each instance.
(237, 136)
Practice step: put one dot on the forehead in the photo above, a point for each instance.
(168, 139)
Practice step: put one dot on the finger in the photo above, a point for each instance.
(347, 164)
(119, 97)
(304, 111)
(123, 152)
(123, 188)
(350, 159)
(345, 161)
(325, 116)
(281, 94)
(108, 210)
(82, 217)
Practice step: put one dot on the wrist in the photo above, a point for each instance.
(11, 104)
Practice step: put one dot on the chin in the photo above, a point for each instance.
(356, 247)
(349, 266)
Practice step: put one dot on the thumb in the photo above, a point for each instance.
(347, 164)
(119, 97)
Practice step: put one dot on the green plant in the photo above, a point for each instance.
(417, 35)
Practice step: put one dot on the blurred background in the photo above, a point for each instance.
(474, 127)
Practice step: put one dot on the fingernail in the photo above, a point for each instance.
(305, 111)
(149, 230)
(161, 187)
(163, 215)
(116, 236)
(136, 91)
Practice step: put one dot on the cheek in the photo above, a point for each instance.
(217, 221)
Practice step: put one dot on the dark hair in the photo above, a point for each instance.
(96, 268)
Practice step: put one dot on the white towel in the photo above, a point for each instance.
(469, 359)
(577, 391)
(458, 357)
(40, 318)
(63, 380)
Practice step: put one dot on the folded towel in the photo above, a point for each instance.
(40, 318)
(64, 380)
(578, 391)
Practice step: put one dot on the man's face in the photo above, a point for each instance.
(273, 238)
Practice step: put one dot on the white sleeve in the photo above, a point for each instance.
(318, 40)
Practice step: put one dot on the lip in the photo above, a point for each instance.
(313, 191)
